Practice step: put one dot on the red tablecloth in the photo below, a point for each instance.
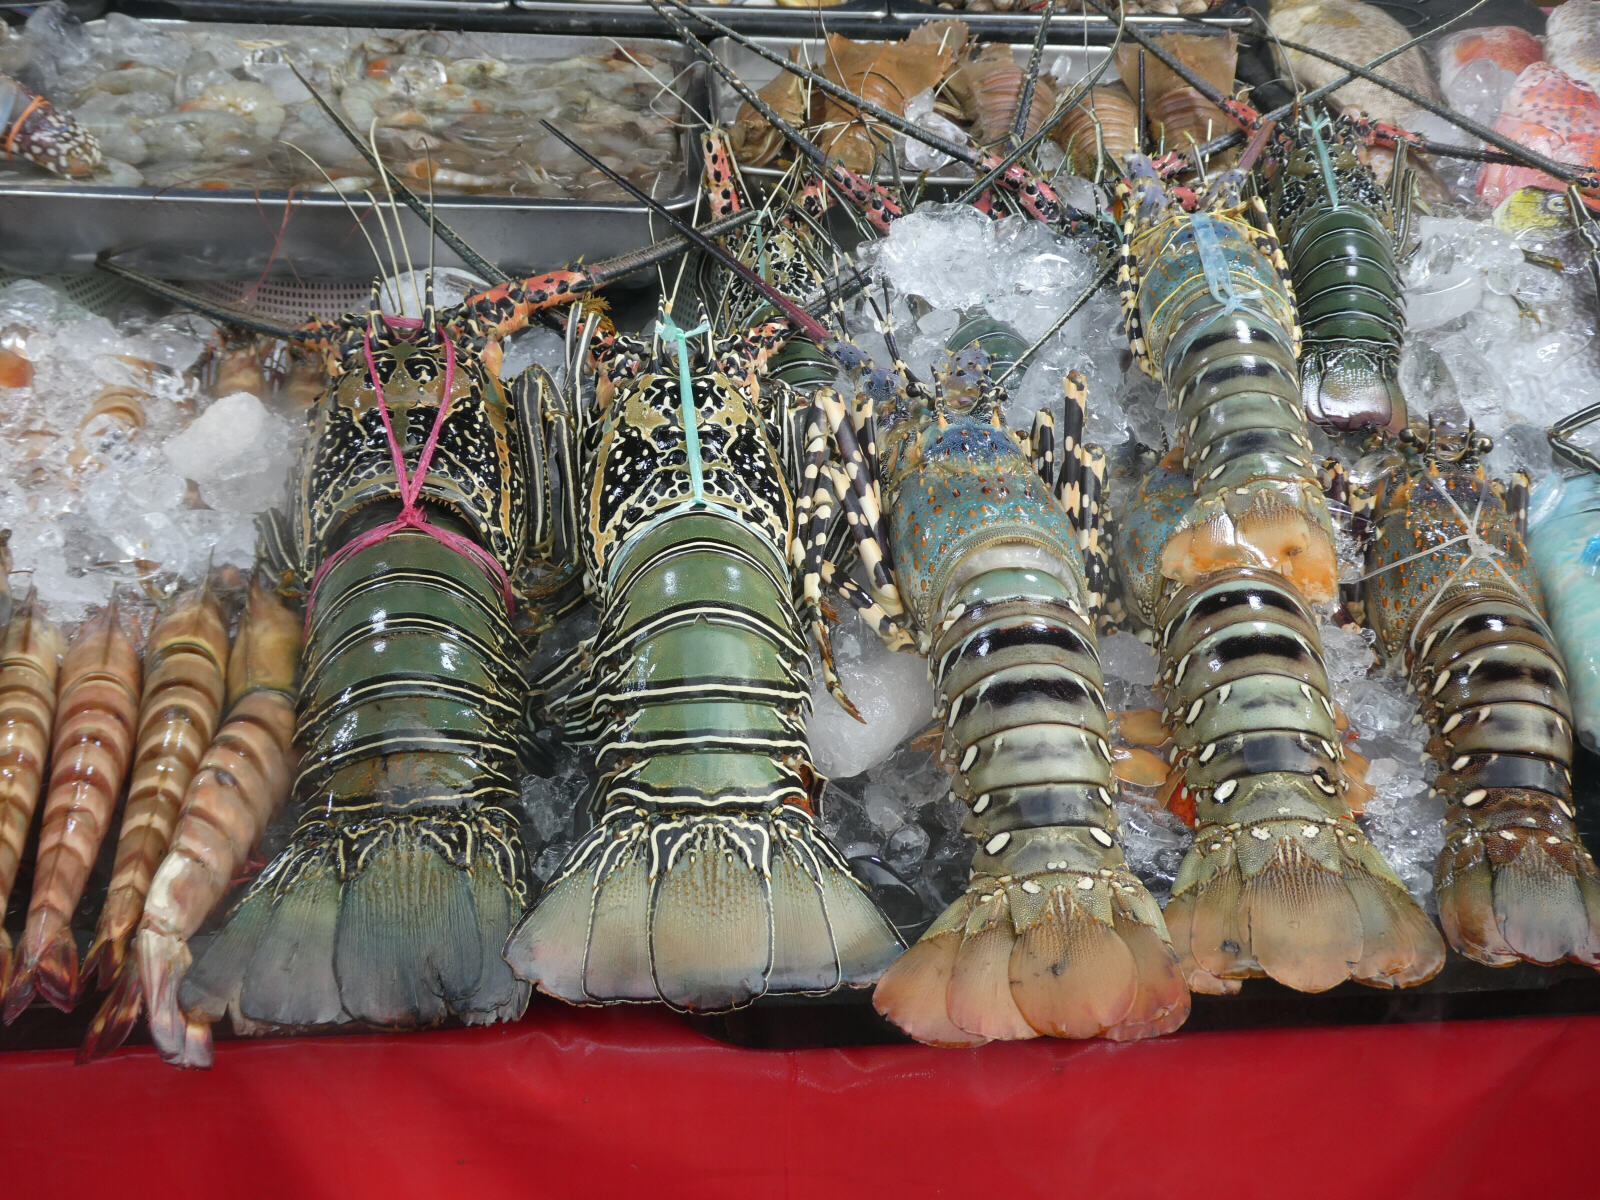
(584, 1105)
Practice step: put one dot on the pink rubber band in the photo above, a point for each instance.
(411, 515)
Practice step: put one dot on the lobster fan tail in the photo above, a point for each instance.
(398, 934)
(1007, 961)
(1349, 397)
(1519, 893)
(705, 912)
(1307, 902)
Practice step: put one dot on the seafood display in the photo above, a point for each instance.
(227, 107)
(744, 616)
(1453, 597)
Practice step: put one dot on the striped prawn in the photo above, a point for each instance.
(240, 781)
(97, 703)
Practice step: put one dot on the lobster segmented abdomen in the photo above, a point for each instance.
(707, 881)
(392, 902)
(1514, 879)
(1218, 325)
(1280, 881)
(1054, 934)
(1352, 315)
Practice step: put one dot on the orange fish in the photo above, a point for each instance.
(1549, 112)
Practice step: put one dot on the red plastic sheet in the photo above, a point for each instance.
(598, 1104)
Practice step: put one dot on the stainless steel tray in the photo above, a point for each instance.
(182, 233)
(1069, 63)
(1072, 21)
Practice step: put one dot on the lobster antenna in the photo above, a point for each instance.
(1236, 136)
(1060, 323)
(210, 308)
(1030, 78)
(377, 259)
(399, 225)
(394, 264)
(1513, 152)
(802, 320)
(944, 145)
(474, 261)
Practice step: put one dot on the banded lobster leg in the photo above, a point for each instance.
(1054, 935)
(1280, 881)
(1455, 602)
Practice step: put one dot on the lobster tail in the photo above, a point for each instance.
(707, 881)
(1280, 882)
(737, 906)
(1054, 935)
(391, 902)
(1515, 881)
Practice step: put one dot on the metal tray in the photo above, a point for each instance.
(183, 233)
(863, 18)
(1066, 62)
(1074, 21)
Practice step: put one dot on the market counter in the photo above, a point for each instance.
(605, 1103)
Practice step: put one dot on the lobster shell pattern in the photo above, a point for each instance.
(1279, 882)
(33, 129)
(1211, 315)
(1454, 597)
(1054, 934)
(406, 869)
(706, 881)
(1338, 225)
(1104, 125)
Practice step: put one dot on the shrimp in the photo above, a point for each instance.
(183, 693)
(29, 659)
(255, 102)
(96, 702)
(242, 780)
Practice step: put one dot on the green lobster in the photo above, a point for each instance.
(706, 881)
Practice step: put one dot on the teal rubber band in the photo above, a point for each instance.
(668, 328)
(1318, 124)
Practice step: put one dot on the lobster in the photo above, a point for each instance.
(1210, 313)
(706, 880)
(40, 133)
(987, 559)
(1341, 231)
(421, 497)
(1453, 597)
(1280, 881)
